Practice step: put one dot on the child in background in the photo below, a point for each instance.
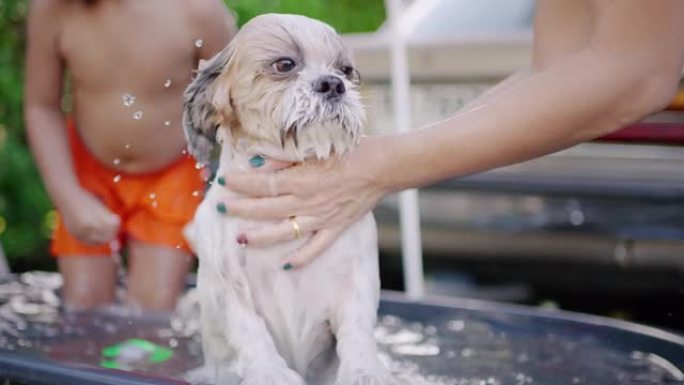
(116, 169)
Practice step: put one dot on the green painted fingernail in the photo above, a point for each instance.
(257, 161)
(221, 208)
(287, 266)
(221, 180)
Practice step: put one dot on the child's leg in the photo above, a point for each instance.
(89, 281)
(156, 275)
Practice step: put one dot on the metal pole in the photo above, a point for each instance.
(4, 266)
(409, 213)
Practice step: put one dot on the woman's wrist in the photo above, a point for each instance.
(374, 164)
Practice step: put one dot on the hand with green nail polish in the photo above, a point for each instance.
(324, 196)
(221, 208)
(257, 161)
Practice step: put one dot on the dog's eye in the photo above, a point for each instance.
(348, 71)
(284, 65)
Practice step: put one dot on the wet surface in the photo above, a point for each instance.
(462, 343)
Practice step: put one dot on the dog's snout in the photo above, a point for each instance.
(330, 86)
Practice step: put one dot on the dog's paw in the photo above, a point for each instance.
(272, 376)
(200, 376)
(207, 375)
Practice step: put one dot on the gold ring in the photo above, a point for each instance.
(295, 227)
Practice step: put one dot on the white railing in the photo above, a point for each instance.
(409, 211)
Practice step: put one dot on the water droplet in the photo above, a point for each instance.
(167, 83)
(154, 204)
(199, 166)
(416, 349)
(195, 193)
(117, 178)
(199, 43)
(137, 115)
(116, 161)
(127, 146)
(178, 246)
(576, 217)
(128, 100)
(456, 325)
(184, 152)
(153, 196)
(167, 123)
(206, 174)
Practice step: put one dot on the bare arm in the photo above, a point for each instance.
(627, 67)
(84, 216)
(216, 26)
(42, 111)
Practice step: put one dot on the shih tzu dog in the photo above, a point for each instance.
(284, 88)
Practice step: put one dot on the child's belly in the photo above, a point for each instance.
(144, 135)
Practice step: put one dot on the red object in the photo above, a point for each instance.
(665, 133)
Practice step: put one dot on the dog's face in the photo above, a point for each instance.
(284, 79)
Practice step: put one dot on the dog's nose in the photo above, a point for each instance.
(330, 86)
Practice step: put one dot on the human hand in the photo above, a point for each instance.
(88, 219)
(324, 197)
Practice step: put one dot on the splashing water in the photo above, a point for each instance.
(199, 166)
(199, 43)
(153, 196)
(137, 115)
(128, 100)
(419, 346)
(116, 161)
(167, 83)
(117, 178)
(195, 193)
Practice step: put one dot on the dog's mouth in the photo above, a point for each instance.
(334, 127)
(292, 131)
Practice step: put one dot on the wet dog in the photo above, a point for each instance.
(285, 87)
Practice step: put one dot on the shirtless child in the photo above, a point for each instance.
(116, 168)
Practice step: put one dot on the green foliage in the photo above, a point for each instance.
(344, 15)
(23, 201)
(25, 210)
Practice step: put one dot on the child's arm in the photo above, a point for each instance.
(215, 25)
(84, 216)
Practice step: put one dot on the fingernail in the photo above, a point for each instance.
(287, 266)
(242, 240)
(221, 180)
(221, 208)
(257, 161)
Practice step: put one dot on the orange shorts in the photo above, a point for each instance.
(153, 207)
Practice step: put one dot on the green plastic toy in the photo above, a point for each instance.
(126, 354)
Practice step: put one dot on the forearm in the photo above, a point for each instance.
(50, 146)
(579, 99)
(497, 90)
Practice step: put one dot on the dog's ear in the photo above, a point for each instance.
(200, 116)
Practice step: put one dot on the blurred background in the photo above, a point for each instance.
(598, 228)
